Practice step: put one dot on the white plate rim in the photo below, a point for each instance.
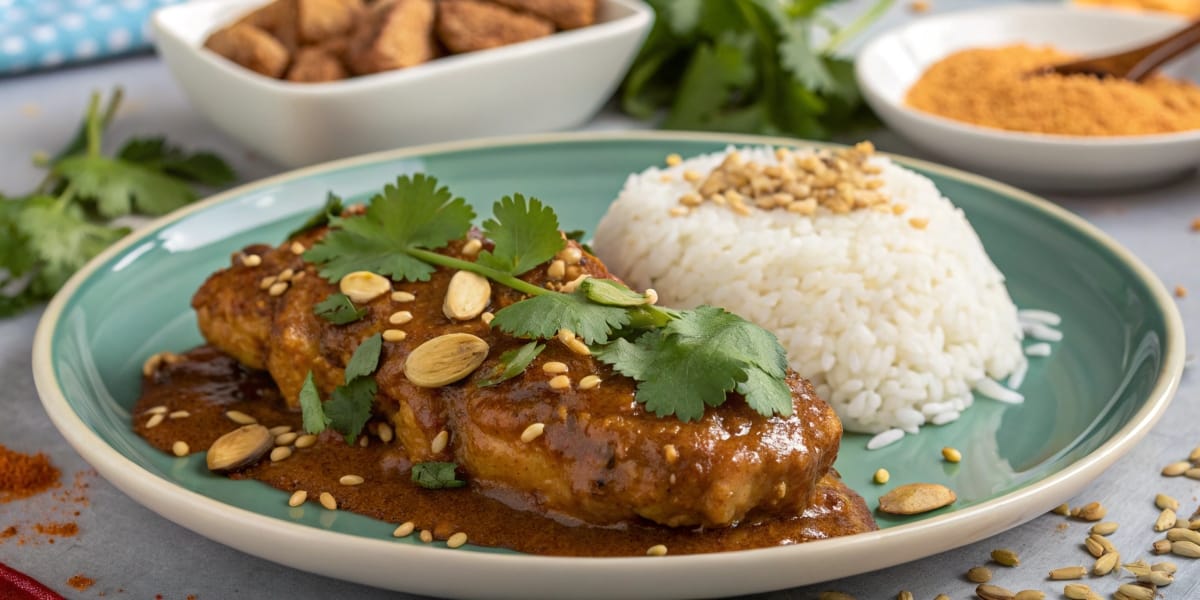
(383, 563)
(870, 86)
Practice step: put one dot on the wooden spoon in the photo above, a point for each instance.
(1136, 64)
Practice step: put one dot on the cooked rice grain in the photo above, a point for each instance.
(884, 318)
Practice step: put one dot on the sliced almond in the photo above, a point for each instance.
(364, 286)
(916, 498)
(467, 296)
(239, 448)
(445, 359)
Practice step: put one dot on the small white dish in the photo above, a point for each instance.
(552, 83)
(889, 65)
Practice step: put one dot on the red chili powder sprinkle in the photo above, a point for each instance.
(24, 475)
(81, 582)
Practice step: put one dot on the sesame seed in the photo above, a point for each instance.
(456, 540)
(472, 247)
(656, 550)
(279, 430)
(404, 529)
(882, 476)
(305, 441)
(403, 297)
(240, 417)
(385, 433)
(578, 347)
(589, 382)
(486, 317)
(157, 410)
(351, 480)
(297, 248)
(180, 448)
(286, 439)
(670, 453)
(328, 501)
(154, 420)
(286, 275)
(533, 432)
(179, 414)
(560, 382)
(252, 260)
(280, 453)
(278, 289)
(554, 368)
(426, 536)
(266, 282)
(394, 335)
(298, 498)
(918, 222)
(952, 455)
(557, 270)
(400, 317)
(674, 160)
(439, 441)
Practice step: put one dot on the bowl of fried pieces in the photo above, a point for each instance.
(305, 81)
(972, 87)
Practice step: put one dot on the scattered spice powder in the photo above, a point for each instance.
(1180, 291)
(58, 529)
(81, 582)
(1000, 88)
(24, 475)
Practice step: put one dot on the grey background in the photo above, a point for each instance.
(132, 552)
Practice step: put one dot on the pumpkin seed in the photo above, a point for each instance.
(1006, 557)
(467, 296)
(445, 359)
(1092, 511)
(1093, 547)
(1161, 546)
(1105, 528)
(1185, 548)
(1178, 534)
(1133, 591)
(1166, 520)
(1165, 566)
(1176, 469)
(1105, 564)
(988, 591)
(1077, 591)
(1104, 543)
(916, 498)
(239, 448)
(1163, 502)
(1157, 578)
(1192, 473)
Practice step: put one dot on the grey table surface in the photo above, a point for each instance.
(132, 552)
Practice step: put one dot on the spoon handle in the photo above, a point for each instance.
(1160, 52)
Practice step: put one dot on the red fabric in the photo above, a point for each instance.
(15, 585)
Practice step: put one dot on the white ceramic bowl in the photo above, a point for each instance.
(551, 83)
(889, 65)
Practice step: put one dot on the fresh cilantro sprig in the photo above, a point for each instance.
(683, 361)
(750, 66)
(349, 406)
(48, 234)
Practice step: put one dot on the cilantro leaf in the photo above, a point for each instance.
(61, 238)
(201, 167)
(436, 475)
(525, 235)
(365, 359)
(93, 124)
(333, 208)
(118, 187)
(512, 363)
(542, 316)
(349, 407)
(339, 310)
(697, 359)
(410, 215)
(313, 414)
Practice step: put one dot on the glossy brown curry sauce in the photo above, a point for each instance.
(207, 383)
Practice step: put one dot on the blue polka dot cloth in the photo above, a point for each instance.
(42, 34)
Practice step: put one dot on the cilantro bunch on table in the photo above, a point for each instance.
(73, 215)
(683, 360)
(753, 66)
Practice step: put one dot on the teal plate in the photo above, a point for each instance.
(1090, 402)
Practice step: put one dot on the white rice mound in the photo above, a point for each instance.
(894, 325)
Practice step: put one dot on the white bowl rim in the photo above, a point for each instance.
(640, 16)
(946, 531)
(1033, 11)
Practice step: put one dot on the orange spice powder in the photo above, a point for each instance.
(1000, 88)
(24, 475)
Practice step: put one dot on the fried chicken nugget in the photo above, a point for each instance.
(393, 34)
(565, 14)
(250, 47)
(469, 25)
(316, 64)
